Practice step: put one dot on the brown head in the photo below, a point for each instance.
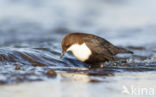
(70, 39)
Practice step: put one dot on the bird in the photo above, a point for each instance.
(90, 49)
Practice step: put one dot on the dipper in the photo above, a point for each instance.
(90, 49)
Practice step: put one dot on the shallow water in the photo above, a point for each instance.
(76, 85)
(30, 37)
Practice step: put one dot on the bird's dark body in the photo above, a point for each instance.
(101, 49)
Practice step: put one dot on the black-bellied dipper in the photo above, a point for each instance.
(90, 49)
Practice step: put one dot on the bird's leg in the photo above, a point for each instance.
(101, 65)
(90, 66)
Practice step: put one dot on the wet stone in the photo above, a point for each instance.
(3, 57)
(38, 64)
(20, 79)
(51, 73)
(17, 67)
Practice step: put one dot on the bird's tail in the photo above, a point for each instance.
(122, 50)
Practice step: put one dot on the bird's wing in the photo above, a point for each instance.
(100, 47)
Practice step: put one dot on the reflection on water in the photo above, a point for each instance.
(78, 85)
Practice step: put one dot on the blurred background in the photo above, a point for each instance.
(122, 22)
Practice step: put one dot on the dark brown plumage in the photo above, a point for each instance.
(101, 49)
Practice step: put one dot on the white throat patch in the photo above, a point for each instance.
(81, 52)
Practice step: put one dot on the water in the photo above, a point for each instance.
(75, 85)
(30, 41)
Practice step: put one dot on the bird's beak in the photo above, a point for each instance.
(62, 54)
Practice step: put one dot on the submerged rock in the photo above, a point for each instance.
(17, 67)
(51, 73)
